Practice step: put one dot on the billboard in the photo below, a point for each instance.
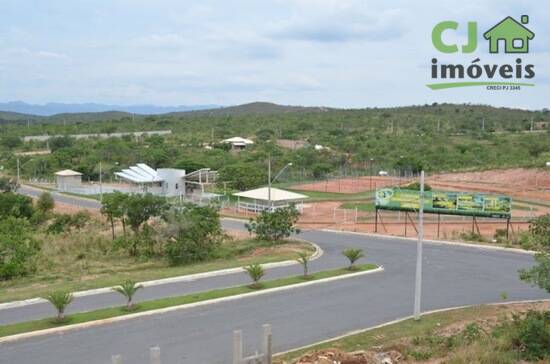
(449, 203)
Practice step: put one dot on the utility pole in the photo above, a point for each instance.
(418, 275)
(269, 182)
(100, 182)
(18, 173)
(438, 125)
(532, 124)
(483, 124)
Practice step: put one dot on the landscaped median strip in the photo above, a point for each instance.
(28, 329)
(177, 279)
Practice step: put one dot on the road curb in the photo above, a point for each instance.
(63, 329)
(185, 278)
(434, 242)
(396, 321)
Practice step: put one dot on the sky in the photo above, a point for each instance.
(339, 53)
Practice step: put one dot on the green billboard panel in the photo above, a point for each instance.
(450, 203)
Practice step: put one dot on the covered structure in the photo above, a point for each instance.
(261, 199)
(67, 180)
(168, 182)
(238, 142)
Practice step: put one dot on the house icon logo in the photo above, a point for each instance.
(510, 35)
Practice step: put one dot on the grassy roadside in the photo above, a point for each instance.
(37, 286)
(410, 335)
(77, 318)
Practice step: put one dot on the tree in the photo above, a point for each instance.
(113, 206)
(128, 289)
(45, 202)
(539, 275)
(18, 247)
(7, 185)
(303, 259)
(353, 255)
(275, 225)
(242, 176)
(255, 272)
(194, 234)
(60, 300)
(12, 204)
(139, 209)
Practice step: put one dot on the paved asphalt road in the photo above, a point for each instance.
(453, 276)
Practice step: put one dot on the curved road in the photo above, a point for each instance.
(453, 276)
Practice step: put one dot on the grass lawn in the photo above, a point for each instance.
(317, 196)
(173, 301)
(435, 336)
(361, 206)
(64, 271)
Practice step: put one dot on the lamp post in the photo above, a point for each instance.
(418, 275)
(269, 180)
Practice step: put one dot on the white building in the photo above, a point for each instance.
(238, 142)
(170, 182)
(261, 199)
(67, 180)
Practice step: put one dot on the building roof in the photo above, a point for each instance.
(140, 173)
(68, 172)
(238, 140)
(276, 194)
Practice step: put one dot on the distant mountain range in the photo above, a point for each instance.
(54, 108)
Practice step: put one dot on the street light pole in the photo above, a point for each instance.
(100, 182)
(269, 182)
(418, 275)
(18, 173)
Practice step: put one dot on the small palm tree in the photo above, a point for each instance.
(353, 255)
(303, 259)
(60, 300)
(128, 289)
(256, 272)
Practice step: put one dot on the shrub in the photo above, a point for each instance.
(255, 272)
(7, 185)
(60, 224)
(539, 275)
(128, 289)
(194, 234)
(529, 336)
(12, 204)
(17, 248)
(60, 300)
(353, 255)
(275, 225)
(45, 202)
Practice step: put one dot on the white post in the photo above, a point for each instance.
(418, 275)
(266, 344)
(237, 347)
(155, 355)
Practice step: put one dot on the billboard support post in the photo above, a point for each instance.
(418, 275)
(376, 219)
(438, 224)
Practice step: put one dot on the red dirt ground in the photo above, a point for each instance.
(524, 184)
